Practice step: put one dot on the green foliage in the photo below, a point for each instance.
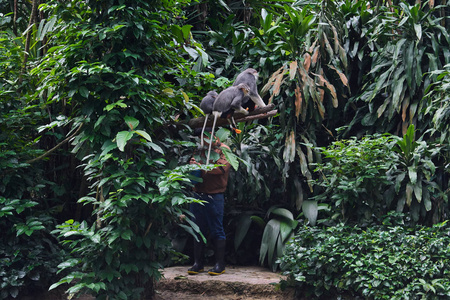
(407, 45)
(365, 179)
(355, 175)
(416, 177)
(277, 232)
(390, 261)
(28, 253)
(438, 105)
(132, 216)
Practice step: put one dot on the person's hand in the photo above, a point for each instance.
(193, 161)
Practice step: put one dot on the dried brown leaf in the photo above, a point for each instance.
(405, 126)
(341, 75)
(315, 57)
(336, 39)
(289, 148)
(307, 62)
(330, 87)
(321, 110)
(405, 105)
(271, 80)
(328, 46)
(298, 101)
(292, 69)
(311, 48)
(278, 82)
(343, 56)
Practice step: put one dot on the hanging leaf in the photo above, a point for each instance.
(270, 235)
(144, 134)
(382, 108)
(418, 191)
(307, 61)
(231, 157)
(286, 230)
(131, 122)
(335, 38)
(278, 82)
(341, 75)
(273, 236)
(271, 81)
(315, 57)
(412, 172)
(408, 193)
(242, 228)
(405, 105)
(399, 91)
(418, 30)
(122, 138)
(298, 101)
(283, 212)
(330, 87)
(310, 209)
(328, 46)
(299, 194)
(292, 69)
(427, 200)
(289, 148)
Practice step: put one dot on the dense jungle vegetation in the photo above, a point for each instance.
(345, 189)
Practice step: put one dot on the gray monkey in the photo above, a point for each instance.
(207, 106)
(249, 77)
(227, 102)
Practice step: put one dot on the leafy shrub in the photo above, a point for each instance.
(355, 174)
(365, 179)
(28, 253)
(382, 262)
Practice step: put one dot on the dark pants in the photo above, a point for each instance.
(209, 215)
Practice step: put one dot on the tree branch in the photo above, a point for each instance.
(54, 148)
(258, 113)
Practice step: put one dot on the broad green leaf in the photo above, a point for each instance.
(131, 122)
(426, 200)
(285, 230)
(84, 92)
(144, 134)
(408, 194)
(186, 29)
(126, 235)
(412, 172)
(418, 191)
(122, 138)
(310, 209)
(230, 156)
(399, 88)
(155, 147)
(418, 30)
(241, 230)
(283, 212)
(270, 238)
(259, 221)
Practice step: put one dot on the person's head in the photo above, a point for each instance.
(206, 136)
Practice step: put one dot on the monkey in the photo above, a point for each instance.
(228, 102)
(207, 106)
(249, 77)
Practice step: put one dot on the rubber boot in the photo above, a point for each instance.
(219, 252)
(198, 259)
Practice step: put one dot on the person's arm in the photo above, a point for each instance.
(222, 169)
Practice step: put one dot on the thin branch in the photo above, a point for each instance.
(54, 148)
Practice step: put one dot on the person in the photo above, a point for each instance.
(209, 215)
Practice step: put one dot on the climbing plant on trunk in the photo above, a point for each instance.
(107, 66)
